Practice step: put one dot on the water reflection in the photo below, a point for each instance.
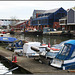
(45, 39)
(4, 70)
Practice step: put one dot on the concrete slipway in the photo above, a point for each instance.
(29, 64)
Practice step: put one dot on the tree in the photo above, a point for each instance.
(13, 20)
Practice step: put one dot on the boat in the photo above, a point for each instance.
(50, 53)
(4, 35)
(65, 59)
(28, 52)
(3, 32)
(7, 40)
(16, 46)
(54, 50)
(47, 53)
(41, 50)
(33, 32)
(48, 29)
(11, 31)
(66, 33)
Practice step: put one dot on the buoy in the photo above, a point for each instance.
(15, 59)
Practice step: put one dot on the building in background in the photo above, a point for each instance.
(49, 18)
(19, 26)
(68, 22)
(55, 18)
(71, 19)
(4, 23)
(37, 12)
(63, 23)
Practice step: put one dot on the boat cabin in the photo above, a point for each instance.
(65, 59)
(16, 45)
(28, 51)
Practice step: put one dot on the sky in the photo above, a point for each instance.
(24, 9)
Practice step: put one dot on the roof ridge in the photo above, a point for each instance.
(51, 10)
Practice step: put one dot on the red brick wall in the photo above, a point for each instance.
(47, 25)
(56, 25)
(29, 23)
(18, 26)
(63, 25)
(37, 14)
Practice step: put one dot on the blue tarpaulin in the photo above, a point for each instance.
(7, 39)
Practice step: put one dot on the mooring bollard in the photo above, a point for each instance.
(14, 59)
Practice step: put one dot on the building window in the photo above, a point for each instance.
(63, 14)
(73, 54)
(61, 21)
(39, 21)
(44, 21)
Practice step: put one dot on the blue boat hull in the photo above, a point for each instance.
(7, 39)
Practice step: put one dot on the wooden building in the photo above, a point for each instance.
(68, 22)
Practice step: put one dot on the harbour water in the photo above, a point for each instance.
(4, 70)
(43, 39)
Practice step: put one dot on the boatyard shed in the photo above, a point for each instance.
(19, 26)
(50, 18)
(71, 19)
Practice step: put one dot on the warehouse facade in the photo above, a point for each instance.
(49, 18)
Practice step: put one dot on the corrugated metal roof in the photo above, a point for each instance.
(51, 11)
(20, 22)
(44, 17)
(73, 8)
(40, 11)
(70, 9)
